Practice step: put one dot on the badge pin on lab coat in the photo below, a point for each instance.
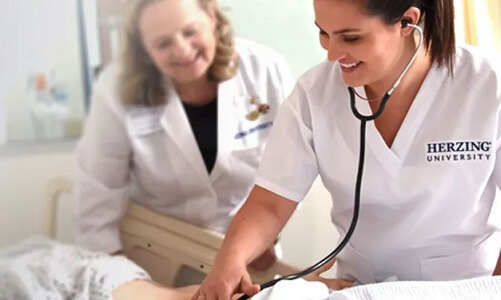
(260, 109)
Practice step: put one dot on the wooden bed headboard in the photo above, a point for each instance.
(173, 252)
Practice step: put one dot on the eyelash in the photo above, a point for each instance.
(350, 39)
(189, 32)
(163, 45)
(345, 39)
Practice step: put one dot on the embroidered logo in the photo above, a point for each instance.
(260, 109)
(254, 129)
(458, 151)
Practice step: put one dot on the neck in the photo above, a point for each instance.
(412, 80)
(199, 92)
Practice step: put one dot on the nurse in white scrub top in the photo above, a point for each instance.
(179, 124)
(428, 207)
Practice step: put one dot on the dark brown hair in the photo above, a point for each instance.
(438, 24)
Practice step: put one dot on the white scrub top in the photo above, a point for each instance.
(428, 209)
(150, 154)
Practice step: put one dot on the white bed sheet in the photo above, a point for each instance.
(483, 288)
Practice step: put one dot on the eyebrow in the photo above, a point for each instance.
(163, 37)
(344, 30)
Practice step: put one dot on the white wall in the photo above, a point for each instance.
(23, 180)
(3, 121)
(309, 235)
(284, 25)
(37, 36)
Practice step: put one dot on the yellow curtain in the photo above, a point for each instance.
(470, 27)
(481, 21)
(494, 10)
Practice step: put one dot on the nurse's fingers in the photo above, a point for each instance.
(336, 284)
(315, 275)
(224, 292)
(326, 267)
(195, 296)
(343, 284)
(199, 295)
(247, 287)
(236, 296)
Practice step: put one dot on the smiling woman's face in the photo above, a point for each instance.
(179, 37)
(366, 47)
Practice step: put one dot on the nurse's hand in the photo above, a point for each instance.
(226, 279)
(332, 283)
(264, 261)
(116, 253)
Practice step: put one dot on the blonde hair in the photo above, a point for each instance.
(141, 81)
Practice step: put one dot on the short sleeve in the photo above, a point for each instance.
(289, 164)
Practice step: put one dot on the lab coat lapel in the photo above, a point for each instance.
(178, 128)
(228, 91)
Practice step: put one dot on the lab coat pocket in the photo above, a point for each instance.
(355, 266)
(477, 261)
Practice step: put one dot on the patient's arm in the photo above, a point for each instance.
(147, 290)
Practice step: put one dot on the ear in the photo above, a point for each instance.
(411, 16)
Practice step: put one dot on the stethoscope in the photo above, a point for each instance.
(358, 185)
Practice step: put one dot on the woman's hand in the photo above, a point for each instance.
(226, 279)
(264, 261)
(252, 230)
(333, 284)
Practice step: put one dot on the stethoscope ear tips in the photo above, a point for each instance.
(405, 23)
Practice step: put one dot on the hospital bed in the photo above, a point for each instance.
(177, 254)
(174, 253)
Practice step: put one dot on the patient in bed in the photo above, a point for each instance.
(43, 269)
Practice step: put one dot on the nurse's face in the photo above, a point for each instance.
(366, 48)
(179, 37)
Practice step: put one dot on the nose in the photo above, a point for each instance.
(182, 48)
(334, 51)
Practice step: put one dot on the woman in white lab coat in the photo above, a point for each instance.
(179, 124)
(428, 207)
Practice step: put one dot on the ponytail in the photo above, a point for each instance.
(438, 23)
(439, 34)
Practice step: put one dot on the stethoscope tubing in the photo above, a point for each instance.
(361, 161)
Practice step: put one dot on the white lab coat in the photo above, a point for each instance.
(151, 155)
(428, 208)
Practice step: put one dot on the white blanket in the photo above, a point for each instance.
(298, 289)
(43, 269)
(485, 288)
